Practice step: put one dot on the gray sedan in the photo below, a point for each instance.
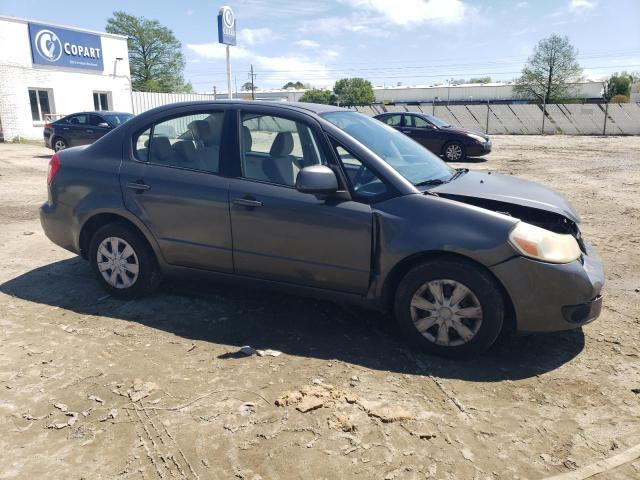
(325, 202)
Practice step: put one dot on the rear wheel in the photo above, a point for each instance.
(123, 262)
(454, 152)
(59, 143)
(449, 307)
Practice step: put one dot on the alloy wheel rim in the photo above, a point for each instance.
(117, 262)
(446, 312)
(454, 152)
(59, 145)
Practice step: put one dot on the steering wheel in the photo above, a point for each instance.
(362, 177)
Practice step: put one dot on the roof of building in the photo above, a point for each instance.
(68, 27)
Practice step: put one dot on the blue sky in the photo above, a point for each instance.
(386, 41)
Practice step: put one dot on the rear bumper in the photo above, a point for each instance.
(59, 227)
(477, 149)
(552, 297)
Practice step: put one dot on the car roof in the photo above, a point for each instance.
(309, 107)
(98, 112)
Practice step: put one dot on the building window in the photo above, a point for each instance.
(40, 104)
(101, 101)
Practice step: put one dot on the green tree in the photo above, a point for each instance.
(246, 87)
(550, 71)
(315, 95)
(297, 85)
(480, 80)
(155, 55)
(618, 84)
(354, 91)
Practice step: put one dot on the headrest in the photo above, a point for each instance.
(247, 140)
(186, 149)
(201, 131)
(160, 148)
(282, 145)
(164, 130)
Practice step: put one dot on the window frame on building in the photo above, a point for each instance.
(38, 104)
(101, 95)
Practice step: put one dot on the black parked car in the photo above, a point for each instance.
(81, 128)
(454, 144)
(327, 202)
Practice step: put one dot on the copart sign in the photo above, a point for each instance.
(55, 46)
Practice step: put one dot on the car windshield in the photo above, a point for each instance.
(116, 119)
(436, 121)
(407, 157)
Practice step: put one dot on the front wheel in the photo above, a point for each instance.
(123, 262)
(454, 152)
(449, 307)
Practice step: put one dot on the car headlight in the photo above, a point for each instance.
(545, 245)
(477, 138)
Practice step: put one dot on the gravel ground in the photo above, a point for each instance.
(93, 387)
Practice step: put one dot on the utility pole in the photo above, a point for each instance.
(215, 92)
(253, 87)
(449, 91)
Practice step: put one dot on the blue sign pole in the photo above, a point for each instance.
(227, 36)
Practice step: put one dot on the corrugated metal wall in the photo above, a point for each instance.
(516, 119)
(143, 101)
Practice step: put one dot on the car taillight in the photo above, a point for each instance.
(54, 166)
(47, 125)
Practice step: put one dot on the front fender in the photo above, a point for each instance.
(413, 224)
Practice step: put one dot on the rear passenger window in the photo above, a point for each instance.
(275, 149)
(188, 141)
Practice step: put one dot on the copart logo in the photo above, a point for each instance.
(228, 18)
(48, 45)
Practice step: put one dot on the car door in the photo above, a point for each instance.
(173, 184)
(421, 131)
(280, 233)
(75, 131)
(97, 128)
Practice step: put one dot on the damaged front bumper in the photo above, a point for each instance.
(550, 297)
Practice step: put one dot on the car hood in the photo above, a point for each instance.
(509, 190)
(453, 129)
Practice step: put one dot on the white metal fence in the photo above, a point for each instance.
(519, 119)
(143, 101)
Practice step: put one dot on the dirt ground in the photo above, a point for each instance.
(93, 387)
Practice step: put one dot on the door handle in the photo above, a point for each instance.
(89, 131)
(247, 202)
(138, 186)
(406, 131)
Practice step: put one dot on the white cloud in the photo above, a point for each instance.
(415, 12)
(217, 51)
(272, 71)
(581, 6)
(522, 4)
(361, 24)
(251, 36)
(190, 12)
(307, 44)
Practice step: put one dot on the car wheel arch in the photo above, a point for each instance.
(400, 269)
(98, 220)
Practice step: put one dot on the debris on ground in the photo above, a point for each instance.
(384, 411)
(141, 390)
(310, 403)
(61, 406)
(113, 413)
(95, 399)
(248, 351)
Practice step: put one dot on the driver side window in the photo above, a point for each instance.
(363, 181)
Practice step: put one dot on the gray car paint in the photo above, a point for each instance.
(331, 248)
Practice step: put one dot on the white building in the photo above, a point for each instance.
(48, 71)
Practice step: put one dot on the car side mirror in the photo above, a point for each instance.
(317, 179)
(104, 125)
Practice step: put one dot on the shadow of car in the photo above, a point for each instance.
(210, 312)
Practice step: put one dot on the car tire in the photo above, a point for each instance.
(428, 322)
(454, 152)
(59, 143)
(133, 271)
